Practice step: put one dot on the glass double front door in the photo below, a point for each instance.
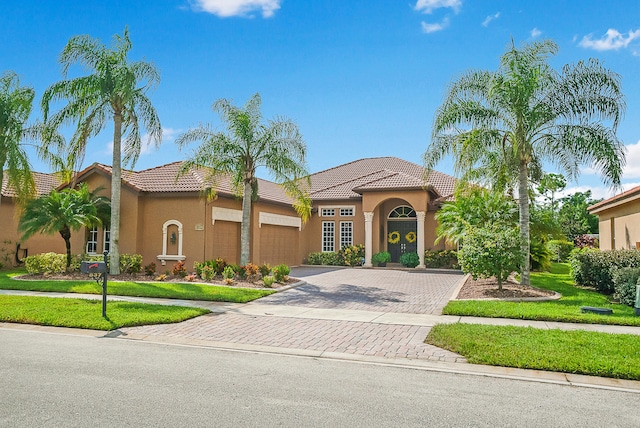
(401, 238)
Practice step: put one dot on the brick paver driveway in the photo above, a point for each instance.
(348, 289)
(409, 292)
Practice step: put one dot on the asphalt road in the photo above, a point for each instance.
(65, 380)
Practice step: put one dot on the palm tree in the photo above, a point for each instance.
(116, 88)
(508, 122)
(62, 212)
(246, 146)
(15, 108)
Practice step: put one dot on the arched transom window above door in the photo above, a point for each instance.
(402, 211)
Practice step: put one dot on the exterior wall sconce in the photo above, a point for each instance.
(172, 239)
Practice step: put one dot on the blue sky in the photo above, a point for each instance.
(361, 79)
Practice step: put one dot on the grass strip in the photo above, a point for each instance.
(566, 309)
(167, 290)
(580, 352)
(81, 313)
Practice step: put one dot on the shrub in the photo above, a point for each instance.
(228, 273)
(150, 269)
(441, 259)
(161, 277)
(586, 241)
(265, 270)
(251, 270)
(410, 260)
(352, 255)
(268, 280)
(204, 270)
(624, 284)
(539, 255)
(178, 269)
(592, 267)
(46, 263)
(331, 259)
(191, 277)
(491, 253)
(130, 263)
(240, 271)
(381, 257)
(218, 265)
(280, 273)
(560, 250)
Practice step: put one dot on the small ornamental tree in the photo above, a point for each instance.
(491, 252)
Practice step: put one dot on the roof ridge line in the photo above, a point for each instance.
(342, 183)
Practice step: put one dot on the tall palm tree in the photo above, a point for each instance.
(115, 89)
(15, 107)
(508, 122)
(248, 145)
(62, 212)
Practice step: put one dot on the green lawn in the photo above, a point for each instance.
(589, 353)
(187, 290)
(567, 309)
(80, 313)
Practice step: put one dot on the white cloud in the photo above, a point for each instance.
(428, 6)
(535, 32)
(228, 8)
(612, 40)
(490, 18)
(598, 192)
(632, 169)
(168, 135)
(432, 28)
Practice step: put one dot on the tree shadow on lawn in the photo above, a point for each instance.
(335, 297)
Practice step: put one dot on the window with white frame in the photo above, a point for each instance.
(92, 241)
(328, 236)
(346, 233)
(347, 212)
(106, 242)
(327, 212)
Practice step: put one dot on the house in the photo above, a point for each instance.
(619, 218)
(383, 203)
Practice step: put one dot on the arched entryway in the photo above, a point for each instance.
(401, 232)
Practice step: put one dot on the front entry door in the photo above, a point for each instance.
(403, 228)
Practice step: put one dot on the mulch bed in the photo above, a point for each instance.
(488, 289)
(151, 278)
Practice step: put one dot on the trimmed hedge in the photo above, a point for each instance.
(46, 263)
(441, 259)
(593, 268)
(331, 259)
(410, 260)
(624, 284)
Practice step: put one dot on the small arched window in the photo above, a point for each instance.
(171, 240)
(403, 211)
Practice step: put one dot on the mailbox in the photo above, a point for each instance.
(93, 267)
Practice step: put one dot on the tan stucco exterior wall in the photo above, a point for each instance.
(619, 226)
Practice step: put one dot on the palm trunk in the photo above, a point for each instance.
(66, 235)
(116, 177)
(245, 232)
(523, 202)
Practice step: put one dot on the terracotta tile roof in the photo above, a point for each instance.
(162, 179)
(44, 184)
(342, 182)
(617, 198)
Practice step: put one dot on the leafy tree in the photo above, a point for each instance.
(491, 252)
(474, 207)
(62, 212)
(503, 125)
(549, 185)
(115, 89)
(574, 217)
(15, 107)
(248, 145)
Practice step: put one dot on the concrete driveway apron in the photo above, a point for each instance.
(365, 312)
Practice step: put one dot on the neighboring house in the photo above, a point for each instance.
(619, 220)
(167, 220)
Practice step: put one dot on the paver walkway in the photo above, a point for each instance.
(355, 293)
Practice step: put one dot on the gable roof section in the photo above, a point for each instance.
(386, 173)
(162, 179)
(44, 184)
(622, 198)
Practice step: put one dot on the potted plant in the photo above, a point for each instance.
(380, 259)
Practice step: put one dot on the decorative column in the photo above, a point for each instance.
(368, 239)
(420, 218)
